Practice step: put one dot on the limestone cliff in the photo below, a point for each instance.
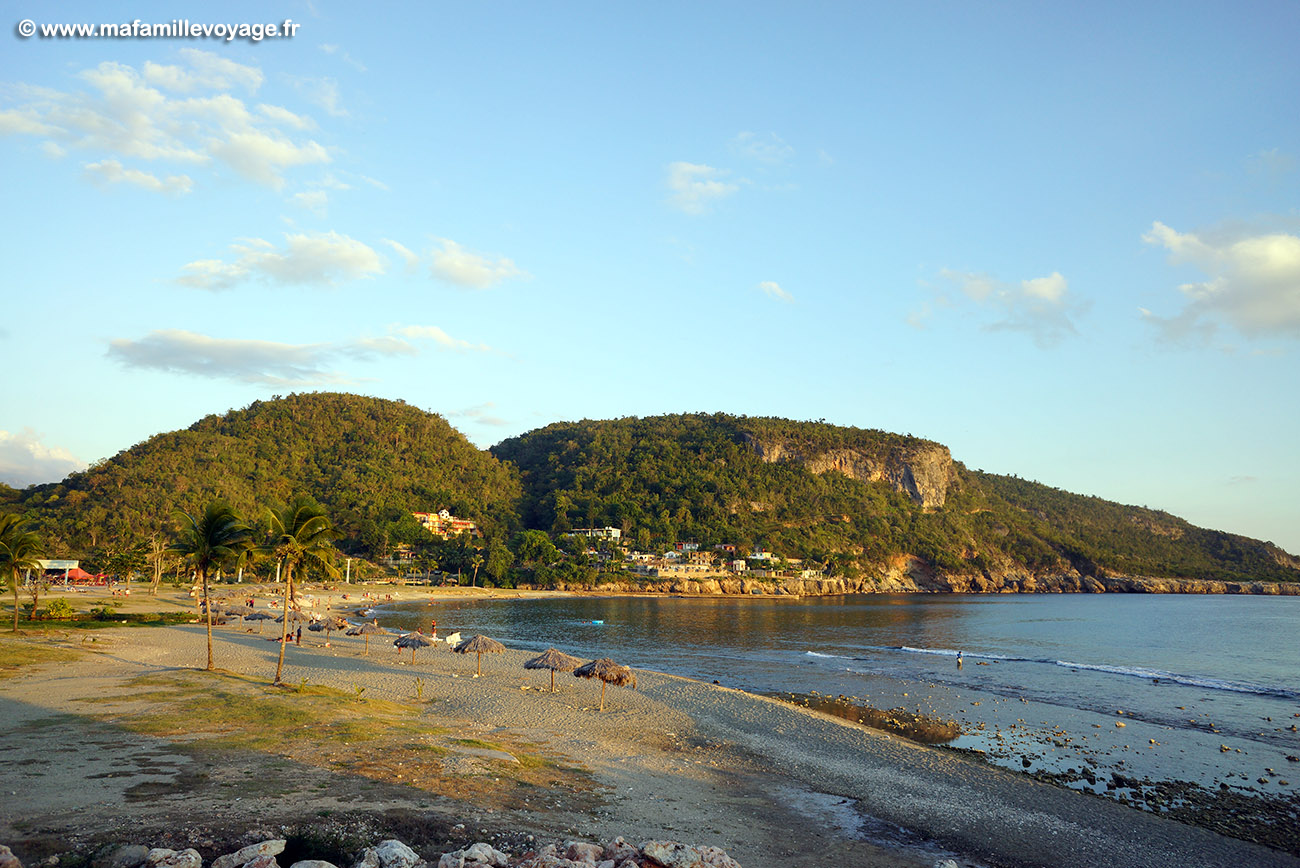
(924, 472)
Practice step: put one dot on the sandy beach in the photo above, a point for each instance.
(773, 784)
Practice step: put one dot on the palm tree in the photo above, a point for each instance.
(19, 549)
(209, 541)
(301, 535)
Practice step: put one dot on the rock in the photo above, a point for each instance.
(946, 863)
(619, 849)
(244, 855)
(313, 863)
(160, 857)
(671, 854)
(395, 854)
(581, 851)
(265, 860)
(8, 859)
(474, 855)
(122, 856)
(369, 859)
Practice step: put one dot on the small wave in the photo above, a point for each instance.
(1186, 680)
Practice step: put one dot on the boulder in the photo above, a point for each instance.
(395, 854)
(671, 854)
(313, 863)
(619, 849)
(160, 857)
(244, 855)
(122, 856)
(263, 860)
(369, 859)
(8, 859)
(581, 851)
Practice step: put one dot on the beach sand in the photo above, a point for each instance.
(676, 759)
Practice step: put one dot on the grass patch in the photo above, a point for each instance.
(16, 654)
(237, 712)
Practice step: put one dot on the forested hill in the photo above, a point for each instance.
(855, 498)
(370, 461)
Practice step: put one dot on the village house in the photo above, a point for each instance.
(444, 524)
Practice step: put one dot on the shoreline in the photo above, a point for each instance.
(676, 758)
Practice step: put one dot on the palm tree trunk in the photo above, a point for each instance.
(13, 583)
(284, 635)
(602, 695)
(207, 605)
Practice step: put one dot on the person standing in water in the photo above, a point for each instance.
(958, 659)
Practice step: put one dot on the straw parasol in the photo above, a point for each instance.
(328, 623)
(556, 661)
(608, 672)
(259, 616)
(413, 641)
(237, 611)
(479, 645)
(295, 615)
(369, 630)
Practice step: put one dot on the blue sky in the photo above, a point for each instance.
(1062, 239)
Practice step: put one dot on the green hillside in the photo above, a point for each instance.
(852, 498)
(701, 478)
(371, 462)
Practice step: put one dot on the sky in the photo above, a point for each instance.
(1061, 239)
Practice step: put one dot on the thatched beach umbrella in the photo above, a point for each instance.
(294, 616)
(479, 645)
(608, 672)
(556, 661)
(328, 623)
(413, 641)
(369, 630)
(259, 616)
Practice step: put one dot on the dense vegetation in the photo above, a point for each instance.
(701, 478)
(370, 462)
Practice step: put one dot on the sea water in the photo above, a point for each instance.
(1189, 688)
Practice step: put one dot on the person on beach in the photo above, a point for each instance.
(958, 659)
(298, 640)
(435, 629)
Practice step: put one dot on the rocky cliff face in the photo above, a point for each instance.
(924, 473)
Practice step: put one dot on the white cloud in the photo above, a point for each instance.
(322, 259)
(347, 58)
(454, 264)
(206, 71)
(323, 92)
(1252, 283)
(246, 361)
(113, 172)
(26, 460)
(271, 363)
(441, 338)
(281, 115)
(695, 187)
(772, 289)
(482, 414)
(770, 149)
(1272, 163)
(181, 113)
(1040, 307)
(412, 259)
(315, 201)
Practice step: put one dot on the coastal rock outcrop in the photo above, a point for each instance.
(924, 472)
